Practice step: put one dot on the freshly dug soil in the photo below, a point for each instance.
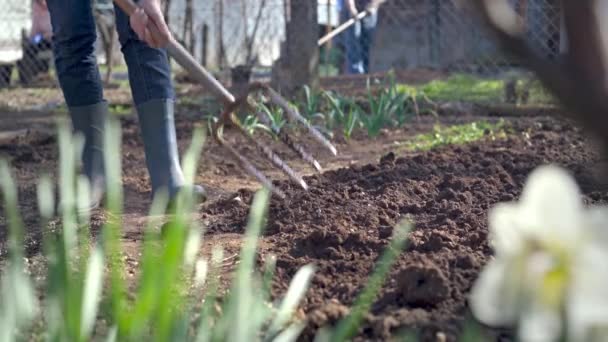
(345, 221)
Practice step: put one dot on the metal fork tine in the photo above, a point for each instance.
(250, 168)
(292, 115)
(286, 139)
(272, 156)
(295, 116)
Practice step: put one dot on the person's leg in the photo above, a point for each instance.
(368, 28)
(364, 44)
(341, 42)
(153, 94)
(353, 49)
(74, 39)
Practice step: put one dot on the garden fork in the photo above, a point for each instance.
(228, 116)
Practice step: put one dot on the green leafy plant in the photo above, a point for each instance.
(469, 88)
(461, 87)
(457, 134)
(401, 105)
(251, 123)
(275, 119)
(384, 106)
(343, 113)
(312, 102)
(351, 122)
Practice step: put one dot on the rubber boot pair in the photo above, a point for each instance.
(158, 134)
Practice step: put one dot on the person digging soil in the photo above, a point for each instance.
(141, 35)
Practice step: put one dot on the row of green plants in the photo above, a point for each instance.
(177, 297)
(388, 105)
(457, 135)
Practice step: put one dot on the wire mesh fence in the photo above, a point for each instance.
(231, 35)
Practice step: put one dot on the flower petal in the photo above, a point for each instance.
(596, 222)
(539, 324)
(551, 205)
(588, 298)
(493, 299)
(506, 235)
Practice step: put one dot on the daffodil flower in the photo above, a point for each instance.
(549, 276)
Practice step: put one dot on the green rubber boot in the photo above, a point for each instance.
(156, 120)
(89, 121)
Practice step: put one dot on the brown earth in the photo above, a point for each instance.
(345, 221)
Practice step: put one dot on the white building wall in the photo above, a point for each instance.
(270, 34)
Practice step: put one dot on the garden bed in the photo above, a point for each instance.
(346, 219)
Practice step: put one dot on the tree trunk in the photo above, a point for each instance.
(299, 61)
(188, 31)
(110, 55)
(166, 4)
(221, 57)
(106, 30)
(204, 42)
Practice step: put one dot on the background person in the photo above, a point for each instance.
(358, 38)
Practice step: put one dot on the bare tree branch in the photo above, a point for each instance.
(251, 39)
(578, 78)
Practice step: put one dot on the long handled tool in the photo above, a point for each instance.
(343, 27)
(231, 104)
(350, 22)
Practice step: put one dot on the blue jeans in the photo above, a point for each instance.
(357, 42)
(74, 37)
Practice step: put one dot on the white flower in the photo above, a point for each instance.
(549, 276)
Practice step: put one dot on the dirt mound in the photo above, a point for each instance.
(345, 221)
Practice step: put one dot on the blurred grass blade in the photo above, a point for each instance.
(112, 228)
(170, 281)
(208, 310)
(290, 334)
(269, 269)
(207, 319)
(185, 200)
(255, 225)
(297, 289)
(200, 273)
(46, 199)
(67, 283)
(150, 260)
(191, 157)
(67, 177)
(15, 224)
(323, 335)
(93, 285)
(18, 301)
(112, 334)
(242, 300)
(112, 157)
(46, 207)
(83, 194)
(192, 245)
(471, 332)
(349, 325)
